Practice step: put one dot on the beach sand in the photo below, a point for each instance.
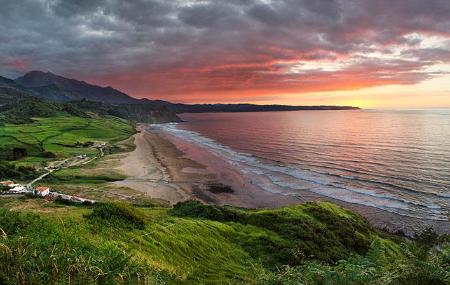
(168, 169)
(156, 167)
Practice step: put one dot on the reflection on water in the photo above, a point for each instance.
(395, 160)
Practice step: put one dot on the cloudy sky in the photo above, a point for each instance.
(371, 53)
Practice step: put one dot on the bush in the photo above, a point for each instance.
(47, 154)
(295, 234)
(215, 213)
(376, 267)
(117, 215)
(8, 170)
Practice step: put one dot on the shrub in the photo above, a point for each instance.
(376, 267)
(8, 170)
(117, 214)
(215, 213)
(305, 232)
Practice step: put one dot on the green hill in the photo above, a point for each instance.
(60, 136)
(197, 244)
(9, 95)
(18, 106)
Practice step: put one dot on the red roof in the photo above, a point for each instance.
(8, 182)
(42, 188)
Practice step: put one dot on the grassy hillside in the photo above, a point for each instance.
(9, 95)
(143, 112)
(60, 136)
(120, 243)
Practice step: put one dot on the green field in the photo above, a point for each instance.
(59, 135)
(195, 244)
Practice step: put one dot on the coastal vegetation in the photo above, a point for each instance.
(60, 136)
(117, 243)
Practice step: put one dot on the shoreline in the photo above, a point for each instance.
(166, 168)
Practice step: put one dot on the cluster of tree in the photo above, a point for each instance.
(23, 111)
(144, 113)
(8, 170)
(12, 154)
(16, 107)
(10, 95)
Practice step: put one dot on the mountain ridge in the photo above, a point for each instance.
(53, 87)
(24, 97)
(81, 89)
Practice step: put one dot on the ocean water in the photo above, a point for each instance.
(398, 161)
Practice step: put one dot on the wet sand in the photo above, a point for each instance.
(166, 168)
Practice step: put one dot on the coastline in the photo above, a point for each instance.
(166, 168)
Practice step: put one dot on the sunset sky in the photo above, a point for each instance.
(368, 53)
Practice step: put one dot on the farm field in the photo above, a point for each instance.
(62, 136)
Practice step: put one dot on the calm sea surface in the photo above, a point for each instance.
(393, 160)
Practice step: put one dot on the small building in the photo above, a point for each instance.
(42, 191)
(19, 189)
(8, 183)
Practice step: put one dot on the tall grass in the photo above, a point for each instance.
(410, 267)
(291, 235)
(41, 251)
(117, 243)
(117, 214)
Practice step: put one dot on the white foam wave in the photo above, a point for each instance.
(290, 180)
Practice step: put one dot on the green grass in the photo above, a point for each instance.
(59, 135)
(117, 215)
(120, 243)
(81, 176)
(413, 265)
(320, 231)
(37, 251)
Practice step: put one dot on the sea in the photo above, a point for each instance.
(394, 160)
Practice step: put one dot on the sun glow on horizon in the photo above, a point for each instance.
(374, 54)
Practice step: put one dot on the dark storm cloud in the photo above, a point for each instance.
(170, 47)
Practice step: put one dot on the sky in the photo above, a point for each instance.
(368, 53)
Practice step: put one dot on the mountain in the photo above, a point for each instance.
(6, 82)
(37, 90)
(36, 80)
(11, 95)
(9, 83)
(55, 88)
(143, 113)
(51, 92)
(54, 92)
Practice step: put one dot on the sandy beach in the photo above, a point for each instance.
(162, 170)
(147, 174)
(158, 169)
(168, 169)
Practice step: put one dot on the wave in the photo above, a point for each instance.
(292, 180)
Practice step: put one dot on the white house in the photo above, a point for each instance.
(42, 191)
(19, 189)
